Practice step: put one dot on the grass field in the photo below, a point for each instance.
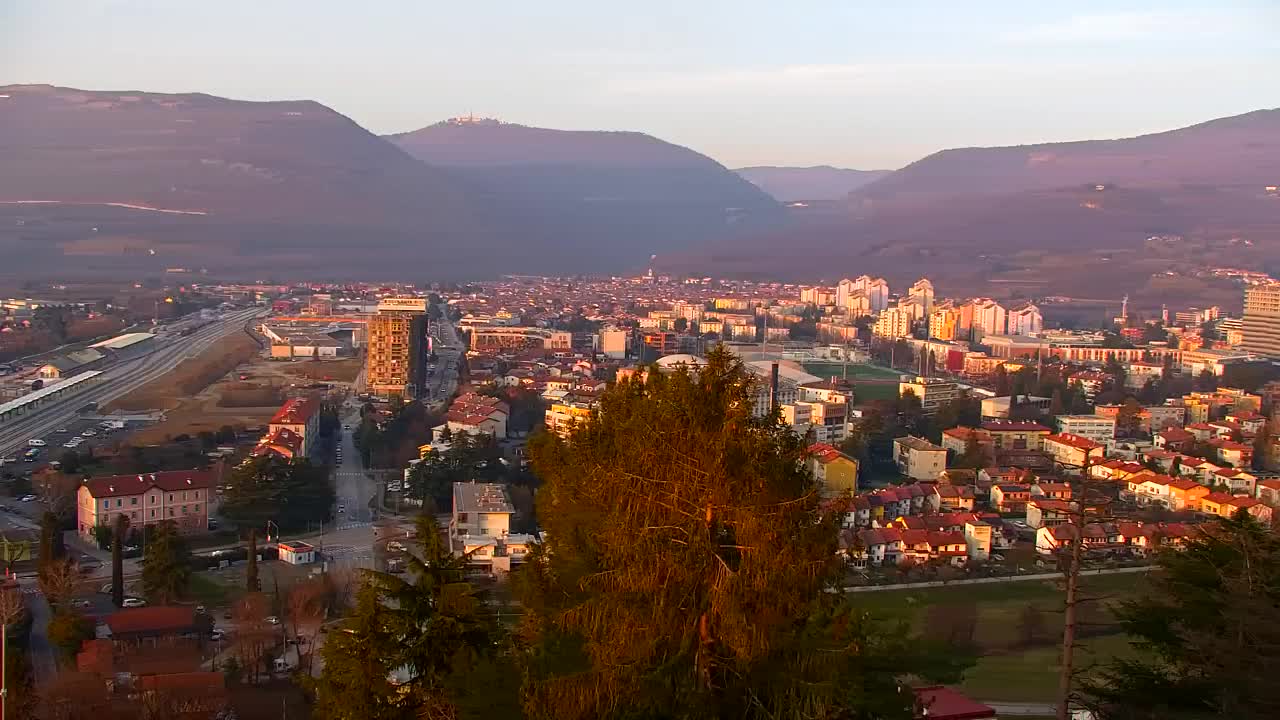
(190, 376)
(855, 370)
(1010, 670)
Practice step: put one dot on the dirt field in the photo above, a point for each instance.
(191, 376)
(233, 384)
(344, 370)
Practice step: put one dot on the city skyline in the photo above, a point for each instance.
(853, 86)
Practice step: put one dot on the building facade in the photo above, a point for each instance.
(181, 496)
(1260, 328)
(394, 365)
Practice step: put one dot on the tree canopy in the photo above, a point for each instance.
(166, 565)
(686, 565)
(290, 493)
(1210, 628)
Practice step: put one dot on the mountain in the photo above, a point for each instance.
(820, 182)
(1240, 151)
(593, 193)
(208, 181)
(1145, 215)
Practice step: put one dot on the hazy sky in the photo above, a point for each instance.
(857, 83)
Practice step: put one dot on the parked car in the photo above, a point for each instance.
(215, 635)
(89, 433)
(61, 431)
(36, 442)
(80, 604)
(342, 508)
(27, 498)
(134, 602)
(273, 620)
(105, 589)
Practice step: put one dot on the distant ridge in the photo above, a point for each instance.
(819, 182)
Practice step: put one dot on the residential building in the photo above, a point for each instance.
(997, 408)
(1044, 512)
(300, 416)
(482, 509)
(1025, 320)
(1014, 435)
(475, 414)
(944, 322)
(1072, 451)
(182, 496)
(1010, 497)
(1260, 326)
(661, 344)
(519, 338)
(918, 458)
(985, 317)
(613, 343)
(932, 392)
(1097, 428)
(922, 293)
(835, 472)
(893, 323)
(395, 364)
(560, 417)
(956, 441)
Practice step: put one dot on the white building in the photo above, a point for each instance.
(1097, 428)
(613, 343)
(1025, 320)
(922, 292)
(893, 323)
(296, 552)
(988, 318)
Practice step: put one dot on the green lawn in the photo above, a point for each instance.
(1031, 675)
(212, 591)
(855, 370)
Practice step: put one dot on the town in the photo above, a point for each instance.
(954, 441)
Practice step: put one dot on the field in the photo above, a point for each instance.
(1018, 645)
(344, 370)
(855, 371)
(191, 376)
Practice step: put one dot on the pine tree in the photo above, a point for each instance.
(1210, 631)
(430, 629)
(358, 661)
(686, 565)
(166, 565)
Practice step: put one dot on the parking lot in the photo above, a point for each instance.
(79, 435)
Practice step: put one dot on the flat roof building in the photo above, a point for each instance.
(394, 365)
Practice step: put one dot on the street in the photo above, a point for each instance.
(44, 661)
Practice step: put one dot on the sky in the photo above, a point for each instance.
(853, 83)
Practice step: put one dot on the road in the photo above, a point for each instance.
(44, 661)
(448, 347)
(119, 379)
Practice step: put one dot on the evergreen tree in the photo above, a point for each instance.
(685, 572)
(166, 565)
(1210, 631)
(251, 582)
(358, 661)
(117, 559)
(430, 629)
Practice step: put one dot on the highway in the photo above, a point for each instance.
(121, 378)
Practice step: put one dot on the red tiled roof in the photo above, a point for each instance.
(295, 411)
(160, 619)
(1075, 441)
(168, 481)
(942, 703)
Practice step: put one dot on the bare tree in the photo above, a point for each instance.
(254, 635)
(307, 606)
(58, 581)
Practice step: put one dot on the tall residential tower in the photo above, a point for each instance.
(1261, 325)
(395, 362)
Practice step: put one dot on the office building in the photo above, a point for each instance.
(1261, 325)
(395, 366)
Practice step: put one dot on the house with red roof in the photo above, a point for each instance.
(1268, 491)
(1044, 512)
(1015, 435)
(836, 472)
(1072, 451)
(1238, 455)
(181, 496)
(280, 442)
(300, 416)
(1010, 497)
(936, 702)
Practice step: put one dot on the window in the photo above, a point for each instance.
(153, 512)
(106, 504)
(170, 497)
(133, 501)
(195, 509)
(133, 515)
(119, 502)
(155, 499)
(184, 509)
(197, 494)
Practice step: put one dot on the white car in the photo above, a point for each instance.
(133, 603)
(89, 433)
(27, 498)
(273, 620)
(70, 445)
(61, 431)
(36, 442)
(342, 508)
